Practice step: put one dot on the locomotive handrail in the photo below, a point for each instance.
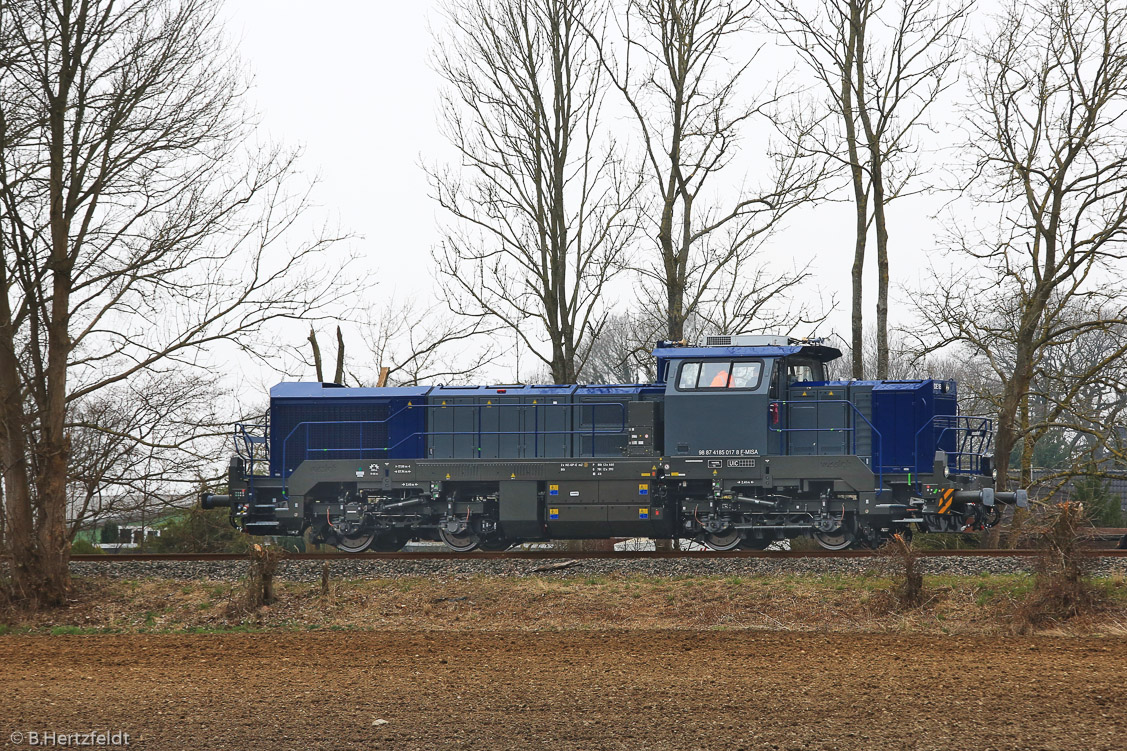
(879, 453)
(248, 441)
(535, 433)
(985, 425)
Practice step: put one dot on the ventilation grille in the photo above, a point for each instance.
(753, 340)
(344, 429)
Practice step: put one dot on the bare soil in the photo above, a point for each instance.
(606, 689)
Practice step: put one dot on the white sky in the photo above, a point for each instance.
(350, 83)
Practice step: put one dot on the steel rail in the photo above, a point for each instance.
(541, 555)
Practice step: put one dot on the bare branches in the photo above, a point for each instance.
(149, 443)
(541, 206)
(674, 72)
(315, 349)
(1046, 133)
(412, 344)
(140, 226)
(880, 69)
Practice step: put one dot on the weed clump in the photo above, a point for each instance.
(325, 581)
(1062, 588)
(259, 589)
(902, 562)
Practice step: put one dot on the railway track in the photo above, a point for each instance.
(540, 555)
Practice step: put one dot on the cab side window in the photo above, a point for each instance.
(719, 374)
(714, 375)
(745, 375)
(689, 373)
(805, 371)
(799, 372)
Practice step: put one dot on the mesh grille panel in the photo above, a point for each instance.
(294, 442)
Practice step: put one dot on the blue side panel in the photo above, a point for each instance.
(531, 422)
(601, 425)
(904, 414)
(489, 422)
(314, 420)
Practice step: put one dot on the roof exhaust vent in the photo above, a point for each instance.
(749, 340)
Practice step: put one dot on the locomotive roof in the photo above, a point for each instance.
(815, 352)
(316, 389)
(295, 389)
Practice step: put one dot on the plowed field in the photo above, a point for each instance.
(612, 689)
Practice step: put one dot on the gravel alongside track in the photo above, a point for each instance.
(310, 571)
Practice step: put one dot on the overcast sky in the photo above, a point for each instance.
(350, 83)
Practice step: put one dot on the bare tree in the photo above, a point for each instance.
(541, 207)
(139, 228)
(623, 350)
(622, 353)
(1067, 422)
(672, 69)
(157, 434)
(881, 68)
(421, 344)
(401, 343)
(904, 362)
(1078, 400)
(748, 298)
(318, 365)
(1050, 146)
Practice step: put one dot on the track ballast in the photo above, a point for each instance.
(538, 555)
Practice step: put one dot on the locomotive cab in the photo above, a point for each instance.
(724, 400)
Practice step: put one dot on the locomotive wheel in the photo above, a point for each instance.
(727, 540)
(462, 543)
(755, 543)
(839, 539)
(357, 544)
(389, 543)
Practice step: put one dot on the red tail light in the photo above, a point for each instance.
(774, 412)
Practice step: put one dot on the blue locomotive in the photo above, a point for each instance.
(740, 442)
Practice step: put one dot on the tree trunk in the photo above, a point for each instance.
(26, 565)
(876, 181)
(338, 374)
(13, 458)
(1008, 430)
(54, 446)
(54, 543)
(858, 318)
(316, 354)
(3, 513)
(674, 284)
(1028, 443)
(17, 489)
(860, 196)
(882, 271)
